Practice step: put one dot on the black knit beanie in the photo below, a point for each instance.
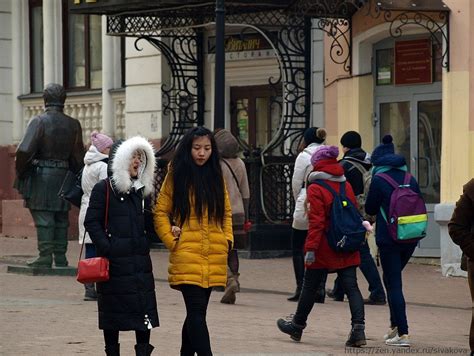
(351, 139)
(314, 135)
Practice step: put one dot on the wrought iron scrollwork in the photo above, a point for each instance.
(183, 98)
(436, 23)
(272, 184)
(438, 30)
(339, 30)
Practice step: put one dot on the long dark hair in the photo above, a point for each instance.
(204, 183)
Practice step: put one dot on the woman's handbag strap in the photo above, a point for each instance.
(106, 216)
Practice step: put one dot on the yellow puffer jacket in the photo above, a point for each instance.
(199, 256)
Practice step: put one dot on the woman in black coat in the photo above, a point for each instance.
(127, 300)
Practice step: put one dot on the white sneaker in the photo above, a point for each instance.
(391, 333)
(403, 341)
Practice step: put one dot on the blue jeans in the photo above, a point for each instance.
(311, 282)
(394, 259)
(371, 274)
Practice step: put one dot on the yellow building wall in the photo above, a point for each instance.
(456, 137)
(353, 110)
(350, 106)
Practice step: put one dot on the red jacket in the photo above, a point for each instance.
(320, 201)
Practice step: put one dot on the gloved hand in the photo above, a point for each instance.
(247, 226)
(309, 258)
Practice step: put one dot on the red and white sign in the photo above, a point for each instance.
(413, 62)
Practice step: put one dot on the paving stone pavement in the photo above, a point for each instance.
(45, 315)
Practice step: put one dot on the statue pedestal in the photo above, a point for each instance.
(42, 271)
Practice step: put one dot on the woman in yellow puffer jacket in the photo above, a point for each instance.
(194, 220)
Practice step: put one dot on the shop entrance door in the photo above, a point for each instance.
(414, 121)
(255, 115)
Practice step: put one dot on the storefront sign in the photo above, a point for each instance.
(413, 62)
(248, 46)
(238, 43)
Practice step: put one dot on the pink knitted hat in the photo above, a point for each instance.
(324, 152)
(101, 141)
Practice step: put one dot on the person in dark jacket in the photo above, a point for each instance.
(393, 256)
(354, 161)
(320, 258)
(461, 230)
(127, 300)
(52, 145)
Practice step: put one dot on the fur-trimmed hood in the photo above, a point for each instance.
(120, 162)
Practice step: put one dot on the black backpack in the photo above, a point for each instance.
(346, 232)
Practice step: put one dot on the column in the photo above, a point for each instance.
(317, 75)
(109, 71)
(52, 41)
(20, 64)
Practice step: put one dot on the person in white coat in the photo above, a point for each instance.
(95, 169)
(313, 139)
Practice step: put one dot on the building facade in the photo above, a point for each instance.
(355, 74)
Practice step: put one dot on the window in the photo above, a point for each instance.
(36, 45)
(384, 64)
(83, 51)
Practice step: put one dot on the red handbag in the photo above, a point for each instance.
(96, 269)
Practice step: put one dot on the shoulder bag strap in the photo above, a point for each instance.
(325, 185)
(356, 165)
(106, 217)
(233, 175)
(107, 204)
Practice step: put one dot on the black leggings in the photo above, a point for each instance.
(111, 337)
(195, 335)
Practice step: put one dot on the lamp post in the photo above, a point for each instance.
(219, 88)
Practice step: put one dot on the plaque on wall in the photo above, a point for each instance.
(413, 62)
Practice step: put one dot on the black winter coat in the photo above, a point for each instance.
(128, 299)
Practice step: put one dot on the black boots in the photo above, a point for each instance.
(298, 266)
(112, 350)
(90, 293)
(140, 350)
(321, 291)
(356, 336)
(289, 327)
(143, 349)
(296, 296)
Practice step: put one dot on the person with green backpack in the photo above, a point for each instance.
(395, 198)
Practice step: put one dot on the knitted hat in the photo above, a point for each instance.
(351, 139)
(382, 150)
(324, 152)
(314, 135)
(101, 141)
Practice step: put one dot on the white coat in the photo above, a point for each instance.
(302, 168)
(94, 171)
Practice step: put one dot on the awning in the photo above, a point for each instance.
(412, 5)
(312, 8)
(136, 7)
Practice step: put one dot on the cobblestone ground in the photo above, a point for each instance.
(45, 315)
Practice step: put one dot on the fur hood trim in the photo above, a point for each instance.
(121, 163)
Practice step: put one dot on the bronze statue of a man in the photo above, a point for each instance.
(52, 145)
